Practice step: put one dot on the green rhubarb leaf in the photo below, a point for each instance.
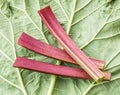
(94, 25)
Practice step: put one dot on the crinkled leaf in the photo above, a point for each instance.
(94, 25)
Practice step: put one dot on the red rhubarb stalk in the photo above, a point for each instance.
(70, 47)
(48, 68)
(42, 48)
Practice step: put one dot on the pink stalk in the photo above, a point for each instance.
(70, 47)
(48, 68)
(42, 48)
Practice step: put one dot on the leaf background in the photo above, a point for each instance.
(94, 25)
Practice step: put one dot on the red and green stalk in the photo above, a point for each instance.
(42, 48)
(48, 68)
(70, 47)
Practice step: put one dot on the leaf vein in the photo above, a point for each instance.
(79, 20)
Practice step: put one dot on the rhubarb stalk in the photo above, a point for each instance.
(70, 47)
(48, 68)
(37, 46)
